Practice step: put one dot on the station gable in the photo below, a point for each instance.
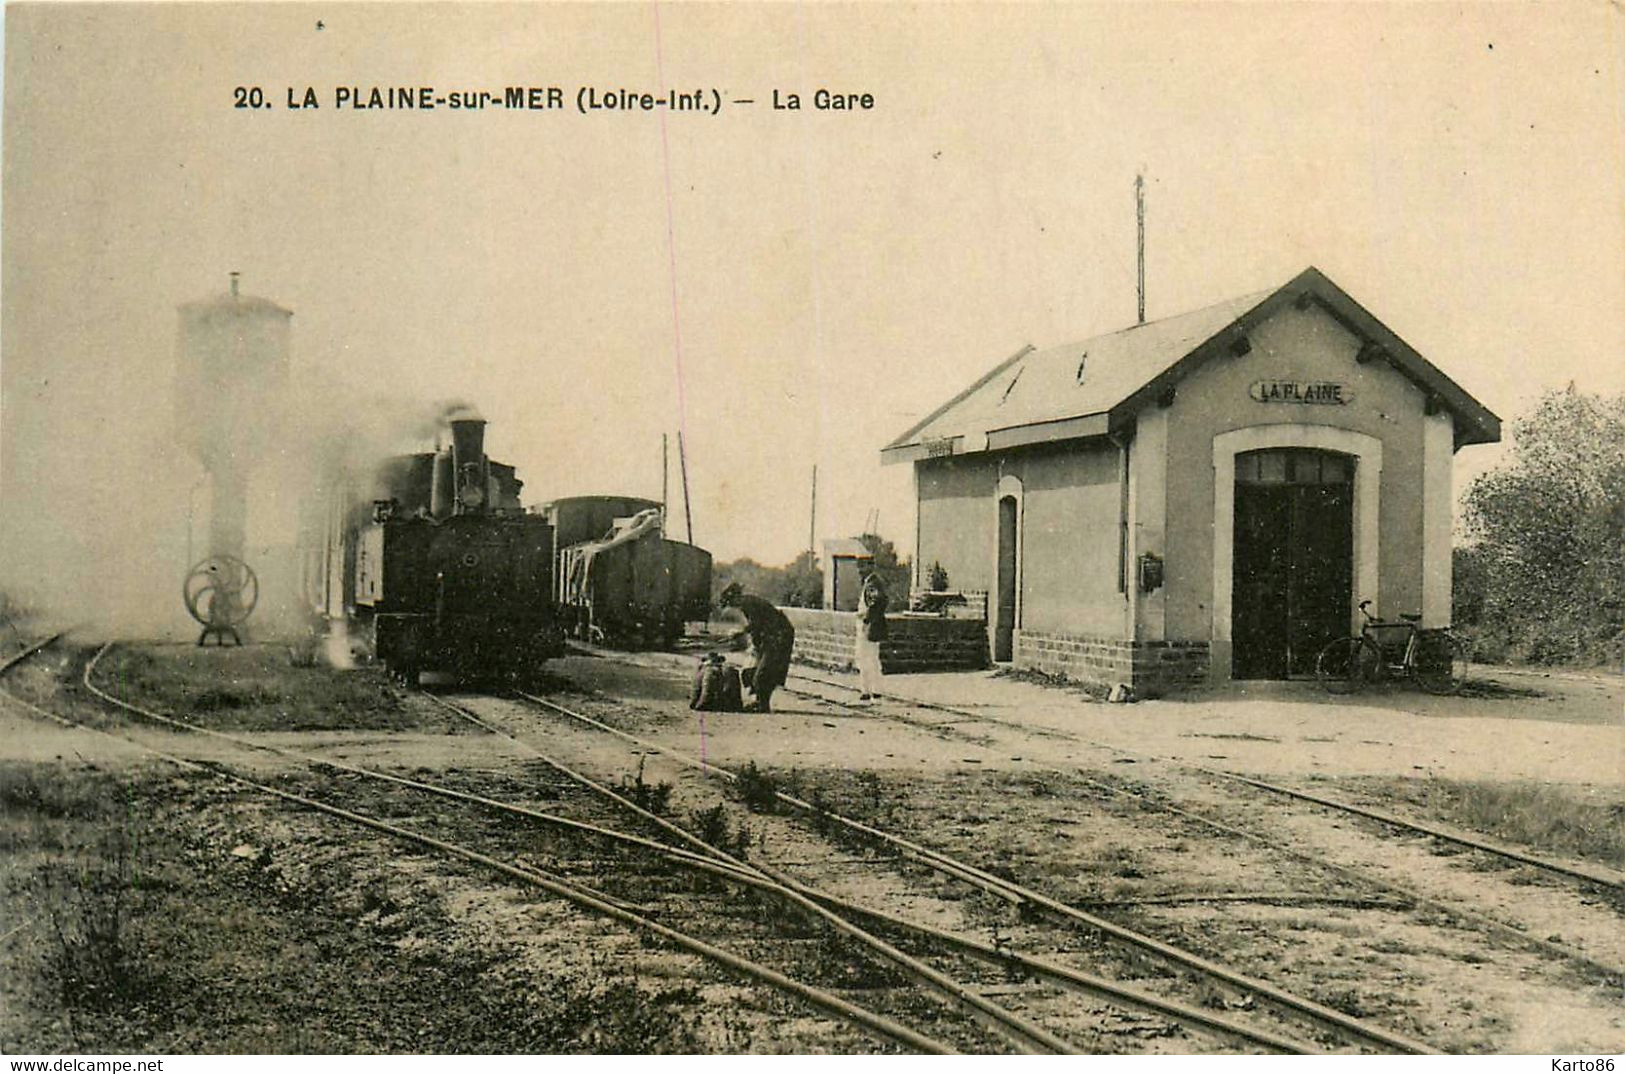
(1098, 386)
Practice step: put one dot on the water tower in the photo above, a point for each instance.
(230, 373)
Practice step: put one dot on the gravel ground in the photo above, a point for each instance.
(1027, 786)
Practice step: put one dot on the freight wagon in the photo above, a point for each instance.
(619, 580)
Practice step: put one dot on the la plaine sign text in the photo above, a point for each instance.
(1325, 392)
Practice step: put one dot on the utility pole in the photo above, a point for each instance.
(682, 464)
(812, 521)
(665, 480)
(1139, 213)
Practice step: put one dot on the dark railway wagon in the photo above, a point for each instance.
(628, 585)
(577, 519)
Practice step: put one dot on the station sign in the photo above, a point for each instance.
(1321, 392)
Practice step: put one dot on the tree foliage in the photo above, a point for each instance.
(800, 583)
(895, 574)
(1544, 579)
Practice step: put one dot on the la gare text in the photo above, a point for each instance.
(585, 99)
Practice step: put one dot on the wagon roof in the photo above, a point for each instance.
(1096, 386)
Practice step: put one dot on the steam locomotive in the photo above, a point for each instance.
(441, 569)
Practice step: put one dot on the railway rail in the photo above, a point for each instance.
(835, 911)
(706, 859)
(1322, 1017)
(1549, 947)
(1587, 874)
(888, 1029)
(697, 856)
(1000, 956)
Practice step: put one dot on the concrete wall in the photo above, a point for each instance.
(957, 519)
(914, 643)
(1070, 510)
(1070, 503)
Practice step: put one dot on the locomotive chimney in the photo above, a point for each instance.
(468, 461)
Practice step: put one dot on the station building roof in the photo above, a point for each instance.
(1096, 386)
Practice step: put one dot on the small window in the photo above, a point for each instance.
(1293, 466)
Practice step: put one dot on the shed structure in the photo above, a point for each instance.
(847, 560)
(1200, 498)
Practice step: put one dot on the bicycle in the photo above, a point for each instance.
(1432, 657)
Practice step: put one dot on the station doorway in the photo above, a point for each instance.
(1293, 567)
(1004, 597)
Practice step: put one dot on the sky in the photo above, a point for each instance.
(787, 288)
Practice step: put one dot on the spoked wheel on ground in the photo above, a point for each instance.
(1440, 662)
(1347, 664)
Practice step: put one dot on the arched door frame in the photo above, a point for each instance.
(1367, 453)
(1009, 488)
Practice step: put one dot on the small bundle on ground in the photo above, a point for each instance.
(716, 686)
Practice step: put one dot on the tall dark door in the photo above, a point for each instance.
(1293, 565)
(1004, 621)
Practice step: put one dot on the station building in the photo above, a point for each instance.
(1197, 499)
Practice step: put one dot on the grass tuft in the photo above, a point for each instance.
(1572, 821)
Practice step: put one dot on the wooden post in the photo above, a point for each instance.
(665, 472)
(682, 464)
(1139, 213)
(812, 522)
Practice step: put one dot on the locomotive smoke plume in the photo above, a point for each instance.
(104, 488)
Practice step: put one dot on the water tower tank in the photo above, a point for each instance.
(231, 369)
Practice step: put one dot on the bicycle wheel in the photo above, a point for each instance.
(1440, 662)
(1347, 664)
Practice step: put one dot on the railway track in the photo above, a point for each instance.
(752, 876)
(1605, 879)
(29, 650)
(888, 1029)
(1612, 974)
(1001, 957)
(766, 882)
(840, 913)
(1323, 1019)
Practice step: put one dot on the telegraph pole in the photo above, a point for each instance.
(665, 481)
(1139, 213)
(682, 463)
(812, 521)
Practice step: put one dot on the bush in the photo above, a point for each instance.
(93, 960)
(1544, 579)
(758, 789)
(650, 797)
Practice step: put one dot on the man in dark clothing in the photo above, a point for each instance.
(771, 639)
